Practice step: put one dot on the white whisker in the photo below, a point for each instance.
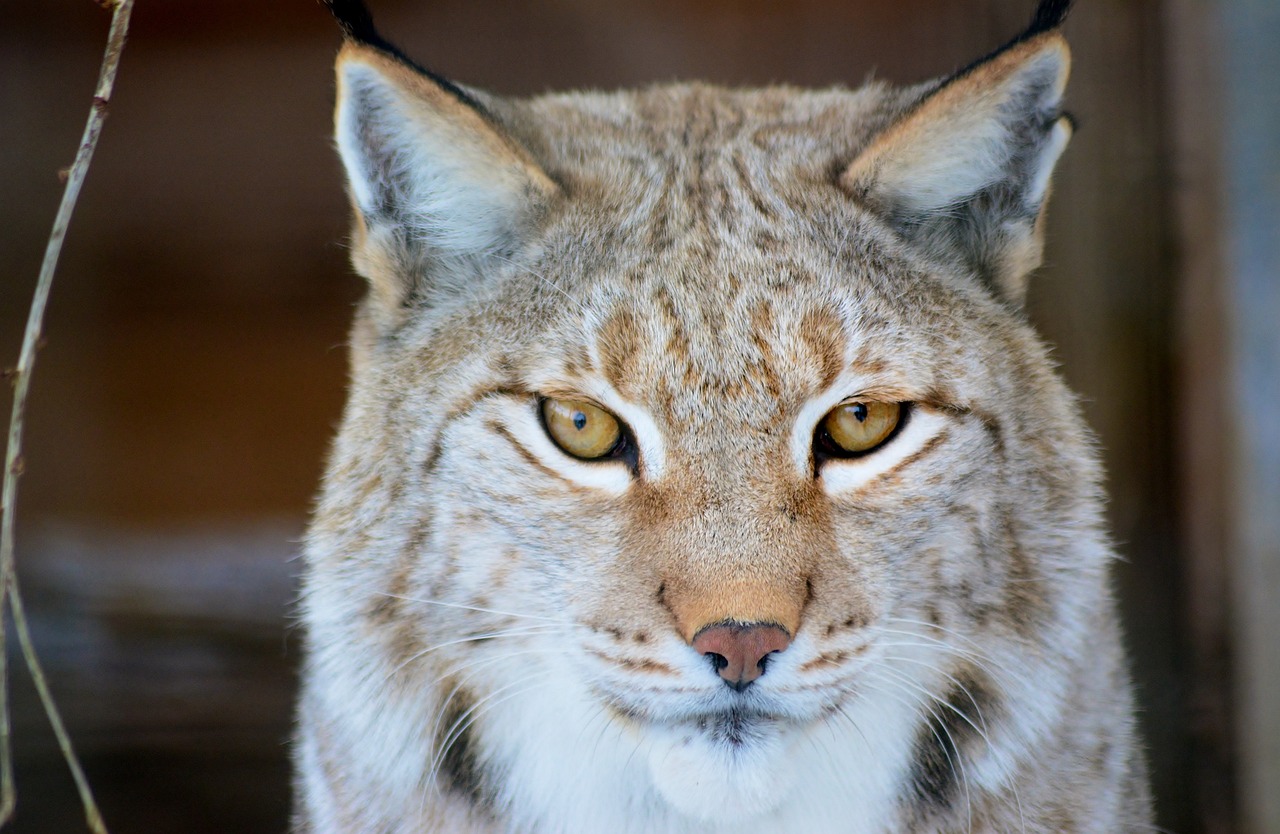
(958, 761)
(479, 609)
(467, 672)
(976, 656)
(468, 718)
(943, 673)
(535, 630)
(544, 279)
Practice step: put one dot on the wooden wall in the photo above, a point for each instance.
(194, 368)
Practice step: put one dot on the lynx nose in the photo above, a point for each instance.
(739, 651)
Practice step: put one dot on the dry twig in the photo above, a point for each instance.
(21, 379)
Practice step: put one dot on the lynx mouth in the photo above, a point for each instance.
(730, 726)
(737, 727)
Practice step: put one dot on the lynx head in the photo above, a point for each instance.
(692, 429)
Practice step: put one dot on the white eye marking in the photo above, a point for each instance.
(811, 415)
(651, 451)
(842, 475)
(643, 428)
(521, 421)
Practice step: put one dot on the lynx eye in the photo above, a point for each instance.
(580, 428)
(857, 427)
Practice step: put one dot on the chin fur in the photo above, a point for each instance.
(724, 768)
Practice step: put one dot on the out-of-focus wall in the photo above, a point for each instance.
(194, 366)
(1251, 160)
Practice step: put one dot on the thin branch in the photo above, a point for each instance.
(21, 379)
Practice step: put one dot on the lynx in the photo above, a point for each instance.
(701, 471)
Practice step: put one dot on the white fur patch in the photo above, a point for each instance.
(611, 477)
(923, 425)
(1046, 162)
(713, 781)
(574, 767)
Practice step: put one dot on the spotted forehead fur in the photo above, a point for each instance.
(664, 270)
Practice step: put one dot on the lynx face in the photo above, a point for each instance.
(701, 470)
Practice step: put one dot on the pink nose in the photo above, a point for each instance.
(739, 651)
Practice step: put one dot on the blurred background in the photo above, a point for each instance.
(194, 367)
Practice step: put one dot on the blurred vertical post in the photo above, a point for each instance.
(1252, 144)
(1225, 123)
(1194, 78)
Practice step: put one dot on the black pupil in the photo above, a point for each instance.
(860, 412)
(579, 420)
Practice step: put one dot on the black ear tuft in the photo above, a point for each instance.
(356, 21)
(1049, 15)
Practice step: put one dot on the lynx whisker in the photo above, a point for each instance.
(467, 672)
(938, 671)
(935, 626)
(959, 654)
(953, 762)
(841, 712)
(981, 731)
(599, 714)
(458, 729)
(477, 710)
(476, 608)
(976, 655)
(906, 681)
(528, 631)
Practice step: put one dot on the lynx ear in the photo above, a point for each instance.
(965, 173)
(439, 188)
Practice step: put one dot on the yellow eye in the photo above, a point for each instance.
(580, 428)
(854, 428)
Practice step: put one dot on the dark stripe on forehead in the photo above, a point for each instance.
(501, 430)
(577, 361)
(749, 187)
(461, 410)
(823, 334)
(619, 345)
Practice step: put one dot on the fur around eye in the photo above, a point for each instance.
(581, 429)
(858, 427)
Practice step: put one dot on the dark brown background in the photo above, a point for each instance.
(194, 366)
